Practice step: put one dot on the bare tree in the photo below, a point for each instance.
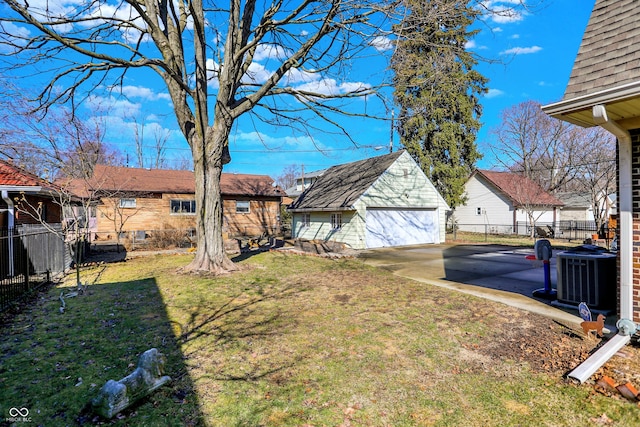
(152, 155)
(94, 44)
(597, 175)
(288, 177)
(531, 199)
(51, 143)
(548, 151)
(77, 212)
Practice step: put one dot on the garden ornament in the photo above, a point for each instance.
(115, 396)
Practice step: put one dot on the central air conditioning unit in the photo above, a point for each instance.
(589, 276)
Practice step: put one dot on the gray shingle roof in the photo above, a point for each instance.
(610, 51)
(341, 186)
(575, 200)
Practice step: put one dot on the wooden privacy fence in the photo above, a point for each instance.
(29, 256)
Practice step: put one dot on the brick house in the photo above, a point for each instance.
(143, 200)
(604, 90)
(21, 193)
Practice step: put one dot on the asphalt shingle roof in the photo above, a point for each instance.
(521, 190)
(123, 179)
(610, 49)
(341, 186)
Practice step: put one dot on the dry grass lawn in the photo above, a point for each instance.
(293, 340)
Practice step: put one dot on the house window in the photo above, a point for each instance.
(336, 221)
(242, 206)
(478, 211)
(183, 206)
(127, 203)
(306, 220)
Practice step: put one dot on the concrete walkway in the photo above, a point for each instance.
(495, 272)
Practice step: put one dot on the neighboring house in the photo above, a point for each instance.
(377, 202)
(604, 90)
(27, 201)
(577, 207)
(303, 182)
(504, 202)
(145, 200)
(21, 193)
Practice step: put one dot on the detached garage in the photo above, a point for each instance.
(378, 202)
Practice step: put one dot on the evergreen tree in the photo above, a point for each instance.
(438, 91)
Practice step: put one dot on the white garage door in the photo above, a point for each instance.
(396, 227)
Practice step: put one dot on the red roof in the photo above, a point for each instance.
(13, 176)
(521, 190)
(118, 178)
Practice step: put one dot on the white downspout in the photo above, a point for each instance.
(625, 245)
(10, 226)
(625, 208)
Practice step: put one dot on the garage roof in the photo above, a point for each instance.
(341, 186)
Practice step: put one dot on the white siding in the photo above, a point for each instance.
(496, 211)
(404, 185)
(320, 227)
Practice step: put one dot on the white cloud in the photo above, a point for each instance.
(268, 51)
(505, 15)
(15, 34)
(113, 106)
(515, 36)
(296, 75)
(213, 68)
(504, 11)
(521, 50)
(331, 87)
(256, 74)
(382, 43)
(260, 140)
(144, 93)
(493, 93)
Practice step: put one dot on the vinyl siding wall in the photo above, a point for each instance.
(403, 185)
(320, 227)
(497, 214)
(495, 209)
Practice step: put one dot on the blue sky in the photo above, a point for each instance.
(532, 53)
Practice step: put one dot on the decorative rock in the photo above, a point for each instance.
(115, 396)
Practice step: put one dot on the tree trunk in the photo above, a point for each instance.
(208, 158)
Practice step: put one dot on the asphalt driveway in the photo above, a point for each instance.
(496, 272)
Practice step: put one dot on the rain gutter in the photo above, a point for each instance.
(625, 248)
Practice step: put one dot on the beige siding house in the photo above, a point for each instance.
(377, 202)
